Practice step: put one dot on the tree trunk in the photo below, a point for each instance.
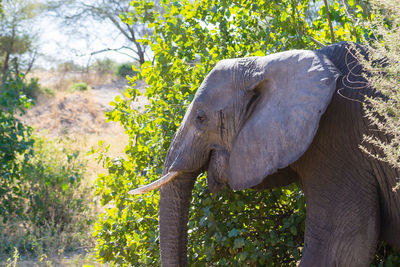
(140, 52)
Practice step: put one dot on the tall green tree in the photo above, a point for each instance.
(228, 228)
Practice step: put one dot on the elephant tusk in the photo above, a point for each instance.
(156, 184)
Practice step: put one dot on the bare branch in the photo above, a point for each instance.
(111, 49)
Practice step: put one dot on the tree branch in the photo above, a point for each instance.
(111, 49)
(31, 62)
(316, 41)
(329, 21)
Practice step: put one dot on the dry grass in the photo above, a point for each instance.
(61, 81)
(68, 113)
(76, 259)
(113, 135)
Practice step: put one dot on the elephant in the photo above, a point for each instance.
(263, 122)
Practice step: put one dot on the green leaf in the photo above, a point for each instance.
(293, 230)
(233, 232)
(239, 242)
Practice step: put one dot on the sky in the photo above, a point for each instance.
(58, 43)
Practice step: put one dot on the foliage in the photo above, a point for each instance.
(55, 208)
(228, 228)
(386, 256)
(384, 112)
(125, 69)
(252, 228)
(15, 143)
(31, 88)
(80, 86)
(383, 109)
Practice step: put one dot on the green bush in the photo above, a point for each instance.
(15, 144)
(125, 69)
(80, 86)
(251, 228)
(56, 213)
(246, 228)
(31, 88)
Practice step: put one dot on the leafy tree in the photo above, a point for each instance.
(116, 13)
(17, 38)
(228, 228)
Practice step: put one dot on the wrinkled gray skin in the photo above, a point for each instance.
(268, 121)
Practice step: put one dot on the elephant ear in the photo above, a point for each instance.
(289, 92)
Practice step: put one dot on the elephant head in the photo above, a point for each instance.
(250, 118)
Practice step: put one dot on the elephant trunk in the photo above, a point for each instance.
(173, 218)
(175, 197)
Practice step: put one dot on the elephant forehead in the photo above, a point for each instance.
(217, 89)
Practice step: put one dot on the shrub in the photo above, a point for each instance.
(383, 109)
(56, 214)
(15, 144)
(125, 69)
(80, 86)
(31, 88)
(384, 112)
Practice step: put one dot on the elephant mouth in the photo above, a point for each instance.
(217, 177)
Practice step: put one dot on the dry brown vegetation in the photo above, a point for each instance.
(68, 113)
(62, 80)
(78, 119)
(79, 116)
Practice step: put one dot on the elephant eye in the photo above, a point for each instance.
(201, 117)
